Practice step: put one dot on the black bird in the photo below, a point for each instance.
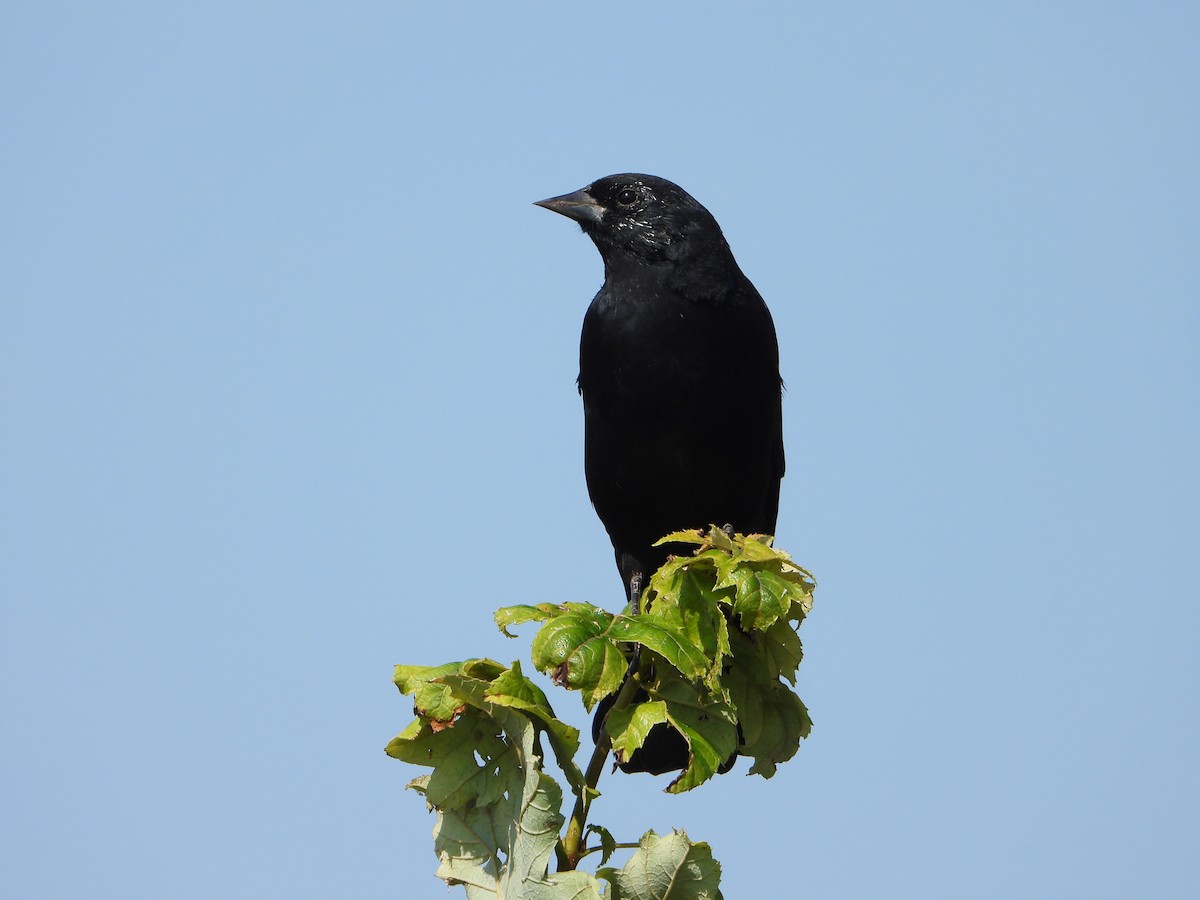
(679, 373)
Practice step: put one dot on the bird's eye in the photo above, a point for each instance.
(627, 196)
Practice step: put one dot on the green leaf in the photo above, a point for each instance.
(772, 718)
(706, 558)
(581, 647)
(786, 725)
(629, 727)
(779, 647)
(514, 690)
(670, 867)
(466, 757)
(707, 723)
(686, 602)
(762, 597)
(761, 551)
(690, 536)
(518, 615)
(467, 843)
(494, 833)
(536, 833)
(608, 843)
(434, 701)
(670, 640)
(577, 649)
(564, 886)
(719, 539)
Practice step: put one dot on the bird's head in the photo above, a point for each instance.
(640, 218)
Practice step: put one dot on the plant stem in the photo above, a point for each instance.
(571, 848)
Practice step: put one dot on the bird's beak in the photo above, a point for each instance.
(579, 206)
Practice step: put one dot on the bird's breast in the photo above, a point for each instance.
(658, 347)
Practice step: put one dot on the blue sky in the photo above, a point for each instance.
(287, 363)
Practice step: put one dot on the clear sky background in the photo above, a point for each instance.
(288, 367)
